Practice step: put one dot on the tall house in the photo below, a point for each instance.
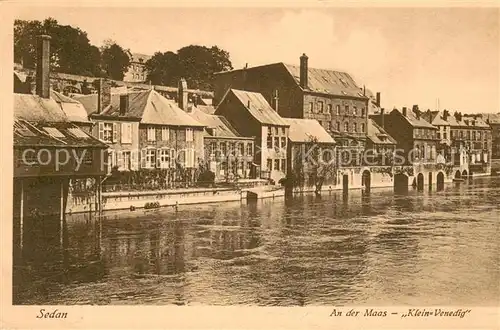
(137, 70)
(331, 97)
(144, 130)
(478, 143)
(441, 120)
(417, 139)
(252, 116)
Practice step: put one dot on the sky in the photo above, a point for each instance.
(410, 55)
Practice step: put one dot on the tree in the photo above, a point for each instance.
(114, 60)
(71, 51)
(197, 64)
(163, 69)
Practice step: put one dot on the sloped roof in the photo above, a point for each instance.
(475, 121)
(148, 107)
(413, 120)
(493, 118)
(258, 107)
(139, 58)
(208, 109)
(34, 108)
(377, 134)
(327, 81)
(74, 110)
(435, 118)
(303, 130)
(35, 134)
(219, 126)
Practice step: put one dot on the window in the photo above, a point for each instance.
(163, 158)
(474, 135)
(277, 164)
(329, 125)
(338, 126)
(108, 132)
(363, 128)
(126, 160)
(151, 134)
(363, 112)
(269, 141)
(276, 142)
(189, 134)
(346, 127)
(190, 158)
(283, 142)
(76, 132)
(338, 110)
(311, 107)
(354, 127)
(479, 135)
(330, 109)
(249, 149)
(445, 136)
(241, 149)
(223, 148)
(269, 164)
(321, 106)
(283, 130)
(283, 165)
(439, 135)
(276, 130)
(126, 133)
(347, 110)
(149, 158)
(354, 111)
(165, 134)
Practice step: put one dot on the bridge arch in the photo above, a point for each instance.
(400, 183)
(440, 181)
(458, 175)
(420, 181)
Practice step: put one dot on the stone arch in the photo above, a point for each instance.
(440, 181)
(400, 183)
(458, 175)
(366, 180)
(464, 173)
(420, 181)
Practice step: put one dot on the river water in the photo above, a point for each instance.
(421, 248)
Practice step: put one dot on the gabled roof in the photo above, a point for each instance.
(412, 119)
(217, 125)
(475, 121)
(148, 107)
(435, 118)
(377, 134)
(258, 107)
(492, 118)
(306, 130)
(74, 110)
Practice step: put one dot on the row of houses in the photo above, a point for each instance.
(259, 119)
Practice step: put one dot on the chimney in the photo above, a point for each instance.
(303, 71)
(404, 111)
(103, 94)
(182, 96)
(378, 99)
(248, 104)
(43, 67)
(276, 100)
(382, 117)
(124, 104)
(416, 111)
(445, 115)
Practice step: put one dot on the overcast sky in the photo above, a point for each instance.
(412, 56)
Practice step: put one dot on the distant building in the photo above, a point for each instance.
(252, 116)
(137, 70)
(494, 121)
(380, 144)
(333, 98)
(441, 120)
(417, 139)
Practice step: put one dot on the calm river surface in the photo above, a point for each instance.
(423, 248)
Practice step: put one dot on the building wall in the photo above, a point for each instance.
(177, 140)
(35, 159)
(118, 146)
(136, 72)
(265, 80)
(330, 119)
(275, 156)
(240, 165)
(495, 139)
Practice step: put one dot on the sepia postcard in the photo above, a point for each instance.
(250, 165)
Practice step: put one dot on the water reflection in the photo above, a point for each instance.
(376, 248)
